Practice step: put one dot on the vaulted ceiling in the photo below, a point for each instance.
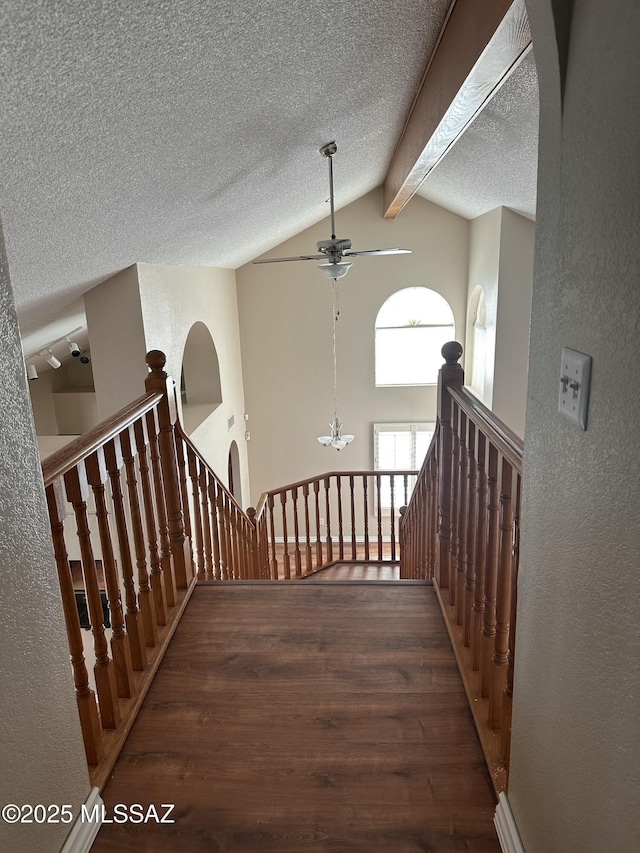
(188, 133)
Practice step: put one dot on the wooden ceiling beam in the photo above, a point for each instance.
(482, 43)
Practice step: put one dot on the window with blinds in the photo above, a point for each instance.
(400, 447)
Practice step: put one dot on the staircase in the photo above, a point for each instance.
(149, 521)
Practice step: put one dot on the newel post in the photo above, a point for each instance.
(157, 380)
(451, 375)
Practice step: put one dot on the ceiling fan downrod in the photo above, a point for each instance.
(328, 151)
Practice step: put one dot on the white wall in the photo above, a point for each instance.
(501, 262)
(116, 339)
(43, 758)
(517, 237)
(153, 306)
(285, 323)
(575, 778)
(484, 272)
(172, 299)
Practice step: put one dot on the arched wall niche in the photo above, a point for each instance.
(200, 384)
(235, 485)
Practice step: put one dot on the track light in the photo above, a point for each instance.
(52, 360)
(32, 373)
(74, 349)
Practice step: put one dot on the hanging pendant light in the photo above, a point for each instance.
(336, 438)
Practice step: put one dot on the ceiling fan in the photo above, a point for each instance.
(334, 250)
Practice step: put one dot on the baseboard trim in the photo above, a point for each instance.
(506, 827)
(83, 832)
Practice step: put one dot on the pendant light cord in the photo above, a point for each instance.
(335, 311)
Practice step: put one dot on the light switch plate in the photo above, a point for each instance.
(575, 377)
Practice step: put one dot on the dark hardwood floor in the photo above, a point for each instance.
(300, 717)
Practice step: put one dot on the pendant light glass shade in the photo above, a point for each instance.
(336, 439)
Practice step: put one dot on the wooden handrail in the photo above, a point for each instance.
(311, 480)
(461, 529)
(76, 451)
(129, 581)
(335, 517)
(496, 431)
(180, 431)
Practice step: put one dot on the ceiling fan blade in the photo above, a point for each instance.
(379, 252)
(299, 258)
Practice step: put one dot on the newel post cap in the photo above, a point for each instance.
(156, 360)
(452, 352)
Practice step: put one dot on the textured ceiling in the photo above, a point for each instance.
(188, 133)
(495, 161)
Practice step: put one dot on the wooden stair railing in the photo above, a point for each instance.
(341, 516)
(133, 569)
(223, 536)
(461, 528)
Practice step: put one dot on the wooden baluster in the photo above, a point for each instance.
(480, 555)
(406, 552)
(85, 697)
(77, 491)
(207, 514)
(490, 575)
(264, 545)
(316, 491)
(365, 508)
(354, 547)
(392, 517)
(181, 449)
(296, 532)
(197, 523)
(220, 529)
(285, 536)
(157, 575)
(379, 496)
(461, 557)
(253, 557)
(500, 658)
(470, 578)
(133, 617)
(455, 483)
(505, 738)
(145, 596)
(272, 530)
(157, 380)
(425, 516)
(307, 531)
(327, 485)
(226, 533)
(234, 533)
(433, 519)
(215, 523)
(121, 653)
(340, 528)
(166, 556)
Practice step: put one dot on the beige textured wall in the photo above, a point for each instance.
(41, 750)
(173, 298)
(116, 339)
(575, 779)
(285, 323)
(484, 271)
(501, 262)
(517, 237)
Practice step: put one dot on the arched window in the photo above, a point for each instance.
(411, 328)
(200, 385)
